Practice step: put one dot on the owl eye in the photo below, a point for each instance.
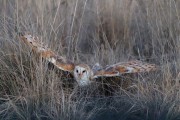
(77, 71)
(84, 71)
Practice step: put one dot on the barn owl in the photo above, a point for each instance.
(83, 73)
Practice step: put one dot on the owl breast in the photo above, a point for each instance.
(83, 82)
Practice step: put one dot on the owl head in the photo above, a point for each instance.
(82, 74)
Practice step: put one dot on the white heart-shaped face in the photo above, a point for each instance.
(82, 75)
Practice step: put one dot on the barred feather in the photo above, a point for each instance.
(126, 67)
(47, 54)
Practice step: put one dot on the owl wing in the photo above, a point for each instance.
(59, 61)
(122, 68)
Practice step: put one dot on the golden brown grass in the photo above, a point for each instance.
(90, 31)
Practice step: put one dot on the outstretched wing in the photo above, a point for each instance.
(122, 68)
(46, 53)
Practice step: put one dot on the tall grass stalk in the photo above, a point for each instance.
(90, 31)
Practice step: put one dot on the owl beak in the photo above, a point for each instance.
(80, 75)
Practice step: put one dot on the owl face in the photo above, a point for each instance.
(82, 75)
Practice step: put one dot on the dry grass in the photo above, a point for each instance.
(90, 31)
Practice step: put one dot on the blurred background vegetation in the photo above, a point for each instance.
(90, 31)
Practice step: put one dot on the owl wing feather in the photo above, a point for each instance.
(126, 67)
(59, 61)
